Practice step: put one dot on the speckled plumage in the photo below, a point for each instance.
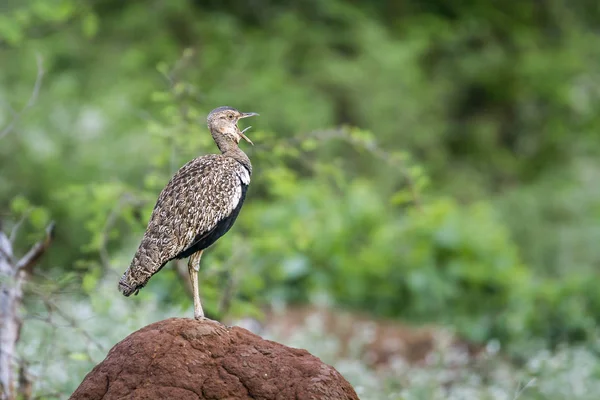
(199, 204)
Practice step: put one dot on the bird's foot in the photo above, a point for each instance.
(198, 312)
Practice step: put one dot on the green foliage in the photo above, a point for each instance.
(439, 262)
(431, 162)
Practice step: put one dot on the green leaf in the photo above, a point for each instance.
(90, 281)
(78, 356)
(309, 144)
(10, 30)
(163, 68)
(402, 197)
(39, 217)
(19, 205)
(89, 25)
(161, 96)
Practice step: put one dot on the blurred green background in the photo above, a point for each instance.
(425, 161)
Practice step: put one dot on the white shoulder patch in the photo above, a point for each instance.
(235, 200)
(244, 175)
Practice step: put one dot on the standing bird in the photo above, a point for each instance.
(198, 206)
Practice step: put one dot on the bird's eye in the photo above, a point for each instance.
(230, 116)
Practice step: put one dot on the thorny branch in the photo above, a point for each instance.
(32, 99)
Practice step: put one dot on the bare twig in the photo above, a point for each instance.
(11, 297)
(6, 254)
(33, 255)
(32, 99)
(520, 389)
(15, 230)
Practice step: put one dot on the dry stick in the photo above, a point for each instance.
(27, 262)
(15, 230)
(32, 99)
(14, 275)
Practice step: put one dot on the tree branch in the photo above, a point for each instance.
(37, 250)
(15, 230)
(6, 254)
(11, 298)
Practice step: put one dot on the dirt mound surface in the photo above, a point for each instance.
(187, 359)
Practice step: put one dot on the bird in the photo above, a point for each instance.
(198, 205)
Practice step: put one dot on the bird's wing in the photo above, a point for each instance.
(201, 194)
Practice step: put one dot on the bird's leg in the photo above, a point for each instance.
(193, 268)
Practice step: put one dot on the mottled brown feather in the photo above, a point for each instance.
(199, 204)
(202, 193)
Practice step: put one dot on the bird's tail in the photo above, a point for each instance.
(126, 284)
(138, 274)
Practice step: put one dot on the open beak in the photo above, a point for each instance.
(246, 115)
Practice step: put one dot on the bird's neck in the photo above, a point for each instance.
(229, 148)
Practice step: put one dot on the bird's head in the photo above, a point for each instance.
(223, 121)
